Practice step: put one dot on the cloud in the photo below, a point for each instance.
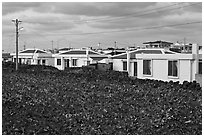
(34, 21)
(76, 8)
(11, 7)
(46, 21)
(171, 13)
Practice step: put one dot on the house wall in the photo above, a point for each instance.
(117, 65)
(81, 61)
(51, 62)
(32, 59)
(185, 70)
(131, 73)
(160, 70)
(48, 61)
(186, 66)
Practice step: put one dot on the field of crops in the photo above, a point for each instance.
(91, 102)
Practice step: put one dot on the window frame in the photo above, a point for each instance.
(171, 76)
(74, 62)
(124, 61)
(58, 64)
(151, 67)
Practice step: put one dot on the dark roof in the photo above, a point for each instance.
(132, 54)
(148, 52)
(167, 52)
(75, 52)
(39, 51)
(64, 49)
(158, 41)
(98, 58)
(114, 53)
(28, 51)
(81, 52)
(32, 51)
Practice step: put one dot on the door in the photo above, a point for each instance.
(135, 68)
(43, 62)
(20, 61)
(66, 63)
(38, 61)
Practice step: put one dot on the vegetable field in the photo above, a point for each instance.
(84, 101)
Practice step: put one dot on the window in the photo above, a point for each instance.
(58, 61)
(173, 68)
(74, 62)
(43, 62)
(124, 65)
(147, 67)
(200, 67)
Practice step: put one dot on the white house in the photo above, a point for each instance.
(77, 58)
(160, 64)
(34, 57)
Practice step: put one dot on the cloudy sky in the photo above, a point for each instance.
(85, 24)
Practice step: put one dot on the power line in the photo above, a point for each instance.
(132, 29)
(127, 29)
(107, 18)
(125, 16)
(140, 15)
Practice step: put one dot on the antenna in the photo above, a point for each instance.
(52, 44)
(115, 44)
(24, 46)
(99, 45)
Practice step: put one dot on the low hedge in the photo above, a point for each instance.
(91, 102)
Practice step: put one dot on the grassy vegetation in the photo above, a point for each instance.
(43, 100)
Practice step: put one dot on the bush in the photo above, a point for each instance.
(86, 101)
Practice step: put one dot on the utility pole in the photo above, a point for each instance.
(52, 44)
(16, 21)
(24, 46)
(57, 43)
(184, 43)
